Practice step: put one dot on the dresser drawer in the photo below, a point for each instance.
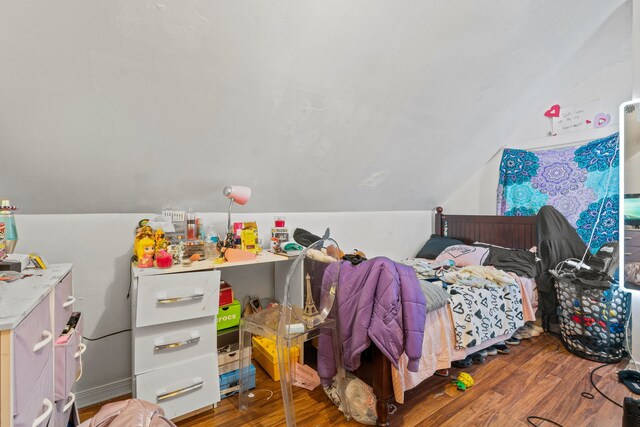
(173, 297)
(180, 389)
(32, 350)
(64, 300)
(63, 410)
(161, 345)
(39, 403)
(68, 362)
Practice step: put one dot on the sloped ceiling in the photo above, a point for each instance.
(327, 105)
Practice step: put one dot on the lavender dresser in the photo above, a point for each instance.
(36, 373)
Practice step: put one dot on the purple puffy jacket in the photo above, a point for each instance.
(379, 301)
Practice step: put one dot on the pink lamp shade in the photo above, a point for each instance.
(238, 193)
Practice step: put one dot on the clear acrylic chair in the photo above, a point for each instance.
(308, 309)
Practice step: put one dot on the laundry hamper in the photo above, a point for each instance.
(593, 316)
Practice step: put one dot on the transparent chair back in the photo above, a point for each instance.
(308, 309)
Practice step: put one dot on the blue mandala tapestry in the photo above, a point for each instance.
(575, 180)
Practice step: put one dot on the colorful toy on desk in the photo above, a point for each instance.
(143, 231)
(464, 381)
(161, 242)
(163, 259)
(145, 251)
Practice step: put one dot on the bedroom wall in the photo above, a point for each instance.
(601, 69)
(99, 245)
(138, 103)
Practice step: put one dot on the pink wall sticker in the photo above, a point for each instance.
(601, 120)
(554, 111)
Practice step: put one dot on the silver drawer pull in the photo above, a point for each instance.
(177, 344)
(180, 299)
(628, 238)
(627, 253)
(180, 391)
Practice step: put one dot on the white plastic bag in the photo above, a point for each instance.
(362, 401)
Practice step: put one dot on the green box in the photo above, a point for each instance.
(229, 315)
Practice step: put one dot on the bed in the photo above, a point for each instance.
(511, 232)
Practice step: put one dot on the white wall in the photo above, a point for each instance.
(100, 247)
(350, 104)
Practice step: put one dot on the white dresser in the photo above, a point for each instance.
(36, 374)
(174, 337)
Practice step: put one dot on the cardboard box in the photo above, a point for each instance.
(230, 382)
(229, 316)
(264, 352)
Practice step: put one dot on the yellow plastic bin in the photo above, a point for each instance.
(264, 352)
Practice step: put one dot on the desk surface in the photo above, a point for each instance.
(20, 297)
(262, 258)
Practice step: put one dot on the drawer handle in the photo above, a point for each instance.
(68, 406)
(48, 336)
(627, 238)
(180, 299)
(70, 300)
(627, 253)
(180, 391)
(45, 415)
(81, 349)
(177, 344)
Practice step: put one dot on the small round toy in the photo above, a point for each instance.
(464, 381)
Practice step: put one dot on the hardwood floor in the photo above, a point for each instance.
(539, 378)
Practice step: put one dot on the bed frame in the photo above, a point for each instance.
(509, 231)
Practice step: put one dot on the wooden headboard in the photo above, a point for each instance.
(518, 232)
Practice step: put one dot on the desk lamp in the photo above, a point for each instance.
(240, 195)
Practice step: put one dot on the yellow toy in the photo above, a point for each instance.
(464, 381)
(141, 232)
(161, 243)
(146, 249)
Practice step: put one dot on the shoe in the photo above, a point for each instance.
(484, 353)
(464, 363)
(492, 351)
(502, 348)
(512, 341)
(478, 358)
(522, 334)
(441, 373)
(535, 328)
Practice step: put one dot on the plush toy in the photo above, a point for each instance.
(464, 381)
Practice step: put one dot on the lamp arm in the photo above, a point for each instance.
(229, 216)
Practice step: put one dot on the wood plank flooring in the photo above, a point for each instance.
(539, 378)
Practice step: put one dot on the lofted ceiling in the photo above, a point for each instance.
(324, 105)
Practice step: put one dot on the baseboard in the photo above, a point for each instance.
(103, 392)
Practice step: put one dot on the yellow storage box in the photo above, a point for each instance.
(264, 352)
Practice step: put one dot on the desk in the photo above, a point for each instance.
(174, 336)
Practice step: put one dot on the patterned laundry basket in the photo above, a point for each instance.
(592, 318)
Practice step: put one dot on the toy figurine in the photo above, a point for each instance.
(161, 242)
(142, 232)
(146, 249)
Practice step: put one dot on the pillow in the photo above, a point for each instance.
(519, 261)
(435, 245)
(464, 255)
